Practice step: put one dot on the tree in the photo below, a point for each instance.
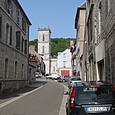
(57, 44)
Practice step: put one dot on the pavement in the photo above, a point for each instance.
(7, 98)
(63, 104)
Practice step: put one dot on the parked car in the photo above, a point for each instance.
(38, 75)
(72, 80)
(91, 98)
(61, 79)
(53, 76)
(66, 78)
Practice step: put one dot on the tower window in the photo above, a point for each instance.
(43, 37)
(43, 49)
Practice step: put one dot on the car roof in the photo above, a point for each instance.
(92, 83)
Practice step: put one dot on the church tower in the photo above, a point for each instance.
(44, 48)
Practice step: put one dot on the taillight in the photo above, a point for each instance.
(72, 97)
(113, 87)
(70, 82)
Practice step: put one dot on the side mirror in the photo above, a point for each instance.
(66, 92)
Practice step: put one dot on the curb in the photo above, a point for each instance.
(63, 104)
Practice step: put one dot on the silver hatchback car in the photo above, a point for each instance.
(72, 80)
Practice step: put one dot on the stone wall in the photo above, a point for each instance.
(12, 85)
(108, 25)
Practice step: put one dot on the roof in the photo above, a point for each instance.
(92, 83)
(23, 12)
(82, 7)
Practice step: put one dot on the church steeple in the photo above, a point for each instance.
(44, 49)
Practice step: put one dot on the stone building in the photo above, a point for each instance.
(100, 31)
(44, 47)
(90, 38)
(14, 36)
(34, 64)
(80, 33)
(73, 57)
(107, 22)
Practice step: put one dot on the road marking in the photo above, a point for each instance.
(16, 98)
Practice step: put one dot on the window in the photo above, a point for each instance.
(64, 55)
(15, 69)
(22, 70)
(9, 7)
(64, 64)
(18, 34)
(30, 72)
(25, 47)
(23, 25)
(6, 68)
(101, 70)
(42, 49)
(43, 37)
(99, 93)
(18, 16)
(99, 18)
(7, 33)
(90, 27)
(0, 27)
(10, 35)
(22, 45)
(54, 69)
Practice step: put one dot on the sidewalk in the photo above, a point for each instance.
(63, 104)
(10, 95)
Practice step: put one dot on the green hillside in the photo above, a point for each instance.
(57, 44)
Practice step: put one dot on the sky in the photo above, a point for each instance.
(58, 15)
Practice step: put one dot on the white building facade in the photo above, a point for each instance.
(54, 65)
(64, 63)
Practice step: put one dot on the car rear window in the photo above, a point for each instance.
(92, 93)
(75, 79)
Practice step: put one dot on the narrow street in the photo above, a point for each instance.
(42, 98)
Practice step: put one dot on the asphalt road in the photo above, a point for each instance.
(42, 98)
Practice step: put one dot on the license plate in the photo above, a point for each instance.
(96, 109)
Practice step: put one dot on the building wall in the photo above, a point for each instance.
(80, 32)
(108, 33)
(63, 61)
(101, 42)
(90, 34)
(54, 65)
(44, 49)
(13, 53)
